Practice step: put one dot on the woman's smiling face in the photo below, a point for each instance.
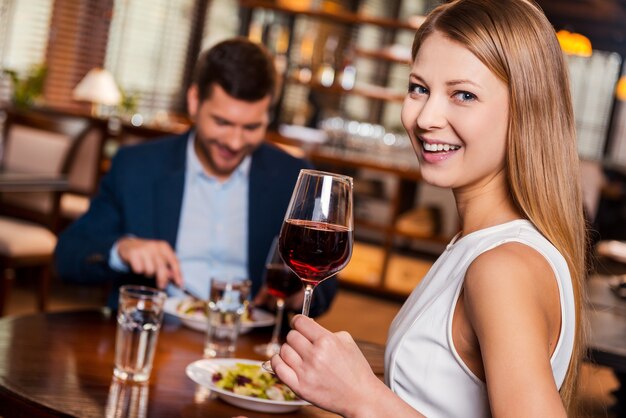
(456, 113)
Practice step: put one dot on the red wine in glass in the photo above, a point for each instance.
(281, 281)
(315, 240)
(315, 250)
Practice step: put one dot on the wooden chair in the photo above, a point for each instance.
(84, 173)
(34, 142)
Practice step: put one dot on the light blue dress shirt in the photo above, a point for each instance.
(212, 236)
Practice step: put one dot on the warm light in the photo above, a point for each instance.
(282, 40)
(99, 88)
(306, 48)
(300, 5)
(620, 91)
(256, 33)
(574, 43)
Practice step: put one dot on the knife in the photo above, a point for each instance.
(188, 292)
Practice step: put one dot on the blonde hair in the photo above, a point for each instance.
(516, 42)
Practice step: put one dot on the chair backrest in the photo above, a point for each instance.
(40, 142)
(85, 165)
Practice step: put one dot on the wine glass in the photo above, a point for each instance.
(316, 236)
(315, 240)
(281, 283)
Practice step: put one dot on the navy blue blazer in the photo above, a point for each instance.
(142, 195)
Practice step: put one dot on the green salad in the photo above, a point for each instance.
(252, 380)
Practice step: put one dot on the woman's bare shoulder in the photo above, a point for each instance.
(508, 281)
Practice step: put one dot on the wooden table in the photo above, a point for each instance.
(32, 182)
(61, 365)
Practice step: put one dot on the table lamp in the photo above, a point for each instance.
(99, 88)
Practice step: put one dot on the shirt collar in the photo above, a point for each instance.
(195, 168)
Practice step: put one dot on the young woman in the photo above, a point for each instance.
(495, 326)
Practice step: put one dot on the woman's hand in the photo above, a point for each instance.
(325, 368)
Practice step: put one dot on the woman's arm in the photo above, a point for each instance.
(328, 370)
(512, 303)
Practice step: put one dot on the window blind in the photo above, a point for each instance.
(24, 28)
(222, 21)
(146, 45)
(23, 46)
(147, 50)
(76, 44)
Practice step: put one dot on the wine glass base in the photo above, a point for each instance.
(267, 350)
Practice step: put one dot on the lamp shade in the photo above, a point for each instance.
(98, 87)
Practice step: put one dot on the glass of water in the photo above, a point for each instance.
(139, 319)
(225, 309)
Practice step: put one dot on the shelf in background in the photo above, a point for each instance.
(438, 241)
(335, 16)
(347, 158)
(381, 55)
(363, 273)
(363, 90)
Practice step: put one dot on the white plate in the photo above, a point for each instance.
(201, 372)
(199, 323)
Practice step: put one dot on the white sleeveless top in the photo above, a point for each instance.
(422, 365)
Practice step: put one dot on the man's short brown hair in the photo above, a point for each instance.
(244, 70)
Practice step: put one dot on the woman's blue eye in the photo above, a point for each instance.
(465, 96)
(418, 89)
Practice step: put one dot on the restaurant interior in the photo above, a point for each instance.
(81, 78)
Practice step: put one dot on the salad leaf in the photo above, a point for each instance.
(252, 380)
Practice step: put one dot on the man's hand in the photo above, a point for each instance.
(151, 258)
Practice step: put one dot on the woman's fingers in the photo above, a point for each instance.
(320, 366)
(310, 329)
(346, 338)
(312, 341)
(290, 355)
(285, 373)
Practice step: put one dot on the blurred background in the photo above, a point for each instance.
(343, 64)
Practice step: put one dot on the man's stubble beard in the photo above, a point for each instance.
(204, 147)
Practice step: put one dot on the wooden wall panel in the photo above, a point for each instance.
(79, 33)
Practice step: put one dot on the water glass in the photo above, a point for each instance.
(225, 308)
(139, 319)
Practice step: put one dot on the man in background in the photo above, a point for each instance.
(175, 212)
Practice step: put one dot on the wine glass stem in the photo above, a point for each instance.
(308, 295)
(280, 307)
